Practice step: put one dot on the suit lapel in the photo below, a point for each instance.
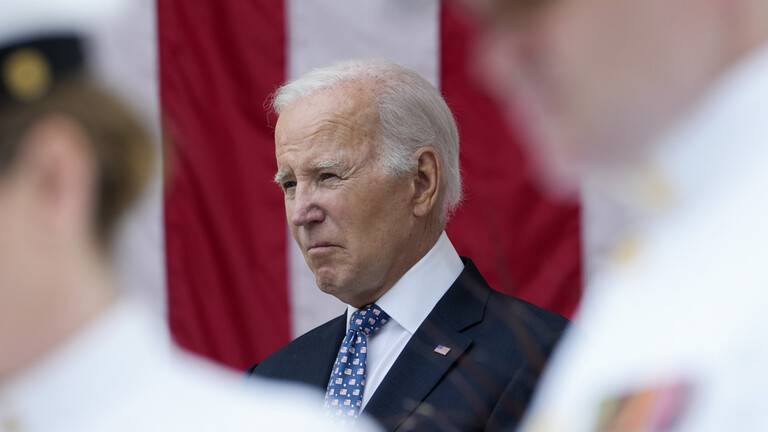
(419, 367)
(324, 351)
(415, 373)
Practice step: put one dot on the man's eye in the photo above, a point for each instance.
(328, 176)
(287, 185)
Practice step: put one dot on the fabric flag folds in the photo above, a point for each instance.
(237, 289)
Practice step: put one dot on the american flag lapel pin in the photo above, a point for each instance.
(442, 350)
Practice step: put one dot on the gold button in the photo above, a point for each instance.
(10, 424)
(626, 251)
(654, 190)
(26, 74)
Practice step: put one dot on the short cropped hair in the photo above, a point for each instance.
(412, 115)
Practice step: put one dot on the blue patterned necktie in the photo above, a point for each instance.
(344, 397)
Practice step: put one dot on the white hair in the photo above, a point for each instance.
(412, 115)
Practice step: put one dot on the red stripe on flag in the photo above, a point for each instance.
(225, 228)
(524, 243)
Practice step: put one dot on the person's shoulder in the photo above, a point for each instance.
(520, 336)
(296, 350)
(187, 393)
(506, 310)
(536, 319)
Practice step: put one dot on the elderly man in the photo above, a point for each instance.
(660, 109)
(367, 156)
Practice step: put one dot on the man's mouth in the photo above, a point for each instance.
(321, 247)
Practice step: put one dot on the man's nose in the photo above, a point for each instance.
(306, 209)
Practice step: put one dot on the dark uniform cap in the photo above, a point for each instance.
(31, 68)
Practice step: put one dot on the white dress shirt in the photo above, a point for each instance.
(408, 303)
(682, 303)
(122, 374)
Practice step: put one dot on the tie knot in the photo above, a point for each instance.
(368, 319)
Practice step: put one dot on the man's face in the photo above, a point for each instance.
(350, 218)
(590, 81)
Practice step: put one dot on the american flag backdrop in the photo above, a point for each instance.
(222, 263)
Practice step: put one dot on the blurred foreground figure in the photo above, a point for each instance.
(660, 108)
(74, 355)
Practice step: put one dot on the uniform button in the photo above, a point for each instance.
(626, 251)
(10, 424)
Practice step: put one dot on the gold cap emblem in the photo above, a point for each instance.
(26, 74)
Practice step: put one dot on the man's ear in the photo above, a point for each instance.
(56, 163)
(426, 181)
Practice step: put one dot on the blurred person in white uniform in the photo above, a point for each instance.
(75, 354)
(659, 109)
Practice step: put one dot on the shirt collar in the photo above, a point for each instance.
(414, 296)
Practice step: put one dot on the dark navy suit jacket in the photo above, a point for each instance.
(498, 347)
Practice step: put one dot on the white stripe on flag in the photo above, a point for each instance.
(322, 32)
(125, 51)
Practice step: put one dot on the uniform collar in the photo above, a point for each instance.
(89, 373)
(414, 296)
